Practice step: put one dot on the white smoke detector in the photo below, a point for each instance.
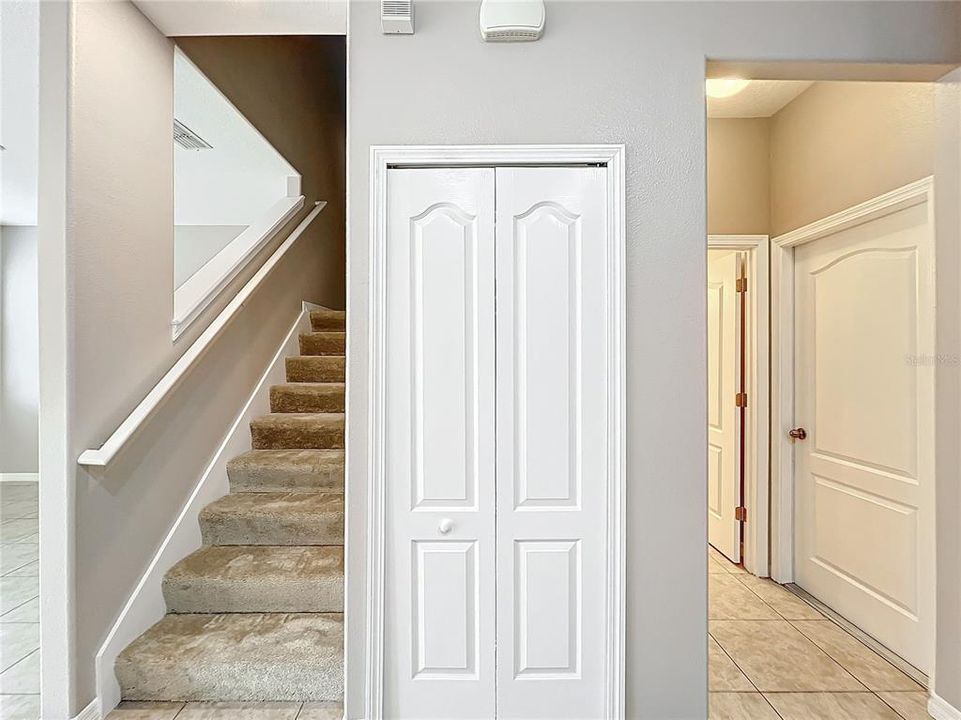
(512, 20)
(397, 17)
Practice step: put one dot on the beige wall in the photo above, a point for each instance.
(839, 144)
(738, 176)
(292, 89)
(119, 267)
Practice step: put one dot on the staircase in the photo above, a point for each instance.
(257, 613)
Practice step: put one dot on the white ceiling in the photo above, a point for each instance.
(761, 98)
(246, 17)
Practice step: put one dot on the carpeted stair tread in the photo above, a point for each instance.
(291, 431)
(260, 471)
(307, 397)
(324, 319)
(239, 657)
(297, 518)
(257, 578)
(326, 342)
(316, 368)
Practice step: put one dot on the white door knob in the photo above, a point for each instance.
(445, 526)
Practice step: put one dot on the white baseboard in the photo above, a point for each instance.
(91, 712)
(19, 477)
(939, 709)
(146, 605)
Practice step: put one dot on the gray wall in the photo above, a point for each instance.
(119, 273)
(609, 72)
(19, 350)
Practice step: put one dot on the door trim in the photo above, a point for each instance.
(381, 159)
(757, 426)
(782, 350)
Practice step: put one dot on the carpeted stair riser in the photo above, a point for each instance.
(251, 579)
(274, 519)
(316, 368)
(307, 398)
(323, 343)
(289, 431)
(328, 320)
(261, 471)
(239, 657)
(256, 614)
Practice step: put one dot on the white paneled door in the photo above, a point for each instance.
(439, 582)
(552, 405)
(723, 414)
(864, 394)
(499, 420)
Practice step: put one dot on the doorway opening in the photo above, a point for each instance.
(821, 355)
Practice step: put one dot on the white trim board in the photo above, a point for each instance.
(8, 477)
(381, 158)
(941, 709)
(203, 287)
(782, 351)
(758, 421)
(146, 604)
(93, 711)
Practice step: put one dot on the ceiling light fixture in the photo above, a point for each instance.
(725, 87)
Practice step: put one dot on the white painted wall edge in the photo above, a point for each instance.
(263, 17)
(940, 709)
(146, 604)
(205, 285)
(19, 477)
(105, 453)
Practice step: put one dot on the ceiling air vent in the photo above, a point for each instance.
(397, 17)
(188, 139)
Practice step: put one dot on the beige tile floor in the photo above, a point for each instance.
(772, 656)
(19, 602)
(227, 711)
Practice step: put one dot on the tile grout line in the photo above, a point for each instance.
(851, 672)
(894, 709)
(796, 629)
(740, 670)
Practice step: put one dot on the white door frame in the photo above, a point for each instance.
(381, 159)
(782, 351)
(757, 426)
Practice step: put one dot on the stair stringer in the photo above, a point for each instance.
(146, 604)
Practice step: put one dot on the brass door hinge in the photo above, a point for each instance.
(740, 400)
(740, 514)
(741, 285)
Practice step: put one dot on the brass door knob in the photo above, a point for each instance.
(798, 433)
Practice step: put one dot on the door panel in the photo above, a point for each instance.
(864, 483)
(723, 420)
(552, 440)
(439, 630)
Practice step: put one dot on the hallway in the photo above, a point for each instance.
(774, 656)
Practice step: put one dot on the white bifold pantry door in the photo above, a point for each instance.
(498, 407)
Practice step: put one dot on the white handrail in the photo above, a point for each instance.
(102, 456)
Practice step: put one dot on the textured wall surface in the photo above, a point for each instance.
(19, 350)
(738, 176)
(620, 73)
(120, 273)
(839, 144)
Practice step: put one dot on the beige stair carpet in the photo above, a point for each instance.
(256, 614)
